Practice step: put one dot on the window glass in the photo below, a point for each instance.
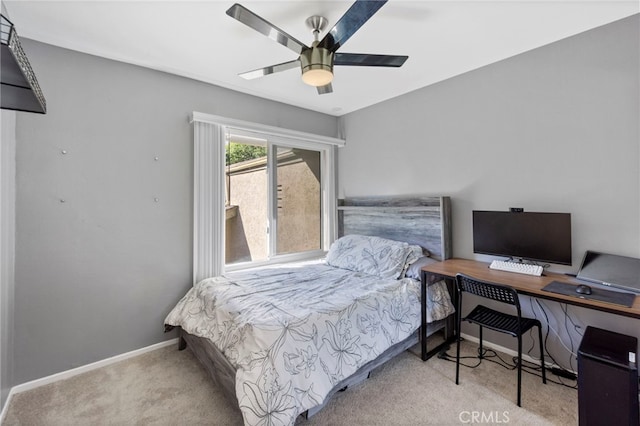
(298, 198)
(268, 217)
(246, 202)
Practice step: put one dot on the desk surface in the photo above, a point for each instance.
(527, 284)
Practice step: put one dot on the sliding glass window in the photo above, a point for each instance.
(274, 204)
(298, 213)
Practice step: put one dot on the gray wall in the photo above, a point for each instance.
(554, 129)
(7, 249)
(97, 273)
(7, 244)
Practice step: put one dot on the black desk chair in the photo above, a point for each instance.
(515, 325)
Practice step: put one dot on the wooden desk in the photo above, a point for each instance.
(525, 284)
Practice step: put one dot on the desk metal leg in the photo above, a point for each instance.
(450, 329)
(423, 315)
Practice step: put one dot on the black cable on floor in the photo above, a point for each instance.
(487, 354)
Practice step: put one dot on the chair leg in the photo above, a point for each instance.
(458, 360)
(480, 353)
(519, 368)
(544, 376)
(458, 349)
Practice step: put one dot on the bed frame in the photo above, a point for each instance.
(425, 221)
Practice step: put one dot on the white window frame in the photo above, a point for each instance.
(209, 192)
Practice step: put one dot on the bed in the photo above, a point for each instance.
(281, 340)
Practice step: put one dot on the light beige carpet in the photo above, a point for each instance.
(168, 387)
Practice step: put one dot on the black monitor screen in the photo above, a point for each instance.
(544, 237)
(610, 269)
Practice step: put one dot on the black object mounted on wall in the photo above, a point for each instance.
(20, 88)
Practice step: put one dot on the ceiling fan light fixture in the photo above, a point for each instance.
(317, 61)
(317, 77)
(317, 66)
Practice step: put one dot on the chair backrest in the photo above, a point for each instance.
(497, 292)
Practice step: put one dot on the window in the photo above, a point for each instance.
(247, 198)
(299, 204)
(262, 194)
(273, 199)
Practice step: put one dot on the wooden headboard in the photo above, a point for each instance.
(425, 221)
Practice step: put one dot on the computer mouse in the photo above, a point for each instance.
(583, 289)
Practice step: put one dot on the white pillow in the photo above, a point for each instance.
(415, 253)
(414, 270)
(372, 255)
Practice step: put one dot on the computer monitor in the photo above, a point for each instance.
(535, 236)
(611, 270)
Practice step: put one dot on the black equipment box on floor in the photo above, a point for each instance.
(607, 379)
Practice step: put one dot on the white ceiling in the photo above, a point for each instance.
(197, 39)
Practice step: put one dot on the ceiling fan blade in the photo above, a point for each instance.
(325, 89)
(250, 75)
(254, 21)
(350, 22)
(364, 59)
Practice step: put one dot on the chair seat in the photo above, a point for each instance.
(500, 321)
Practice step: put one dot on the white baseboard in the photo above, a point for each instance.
(4, 407)
(79, 370)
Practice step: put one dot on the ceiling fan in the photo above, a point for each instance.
(317, 61)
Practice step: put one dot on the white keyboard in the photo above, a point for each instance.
(520, 268)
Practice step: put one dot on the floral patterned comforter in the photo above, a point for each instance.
(293, 332)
